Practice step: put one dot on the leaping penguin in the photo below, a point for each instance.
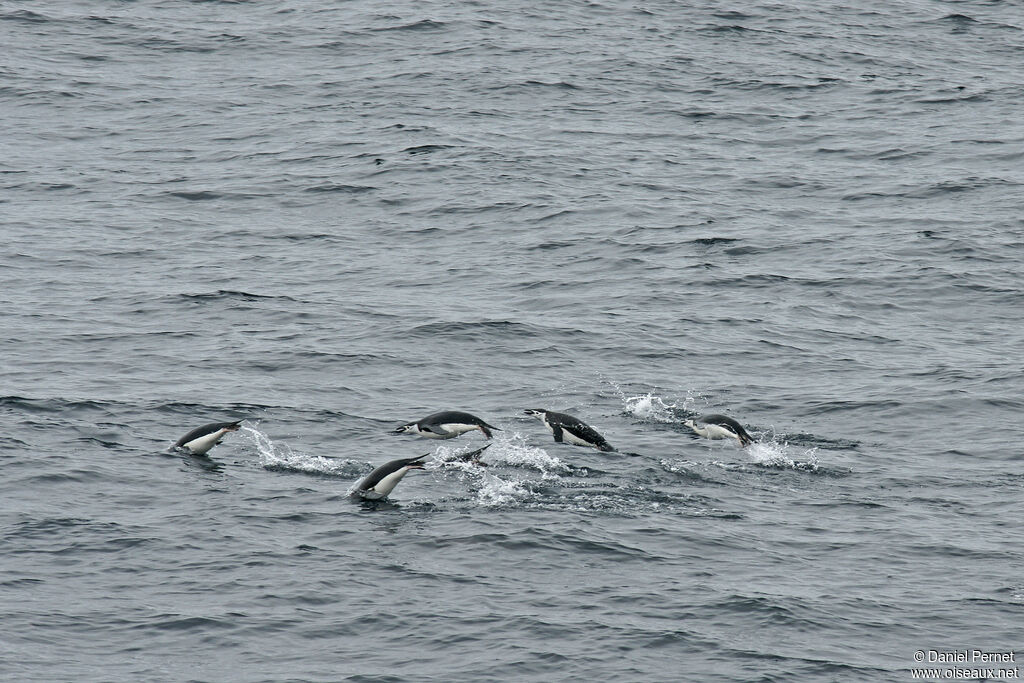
(473, 457)
(383, 480)
(568, 429)
(202, 439)
(719, 427)
(446, 425)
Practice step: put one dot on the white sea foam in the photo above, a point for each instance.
(513, 450)
(678, 466)
(495, 485)
(766, 453)
(782, 455)
(771, 451)
(281, 456)
(493, 491)
(652, 408)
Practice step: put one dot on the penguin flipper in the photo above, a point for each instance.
(556, 431)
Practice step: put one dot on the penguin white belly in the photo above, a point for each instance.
(718, 432)
(569, 437)
(204, 443)
(457, 428)
(388, 483)
(432, 435)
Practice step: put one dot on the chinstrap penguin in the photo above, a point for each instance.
(202, 439)
(473, 457)
(446, 425)
(568, 429)
(719, 427)
(385, 478)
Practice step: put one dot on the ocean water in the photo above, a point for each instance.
(328, 219)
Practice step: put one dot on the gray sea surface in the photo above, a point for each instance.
(329, 219)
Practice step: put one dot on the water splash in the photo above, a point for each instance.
(488, 488)
(650, 407)
(783, 456)
(275, 456)
(767, 452)
(772, 451)
(493, 491)
(494, 487)
(512, 450)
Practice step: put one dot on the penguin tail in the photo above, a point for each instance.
(486, 429)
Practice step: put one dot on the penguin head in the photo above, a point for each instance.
(689, 423)
(402, 429)
(535, 412)
(418, 465)
(233, 427)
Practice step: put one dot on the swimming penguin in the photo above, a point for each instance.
(719, 427)
(385, 478)
(473, 457)
(570, 429)
(446, 425)
(202, 439)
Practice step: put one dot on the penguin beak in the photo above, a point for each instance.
(233, 428)
(415, 466)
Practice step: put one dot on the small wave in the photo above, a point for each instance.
(633, 500)
(842, 406)
(687, 470)
(57, 405)
(340, 188)
(713, 241)
(197, 196)
(426, 149)
(812, 440)
(25, 16)
(1013, 593)
(422, 25)
(229, 294)
(483, 328)
(957, 18)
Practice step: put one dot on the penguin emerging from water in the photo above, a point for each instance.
(473, 457)
(383, 480)
(719, 427)
(202, 439)
(568, 429)
(446, 425)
